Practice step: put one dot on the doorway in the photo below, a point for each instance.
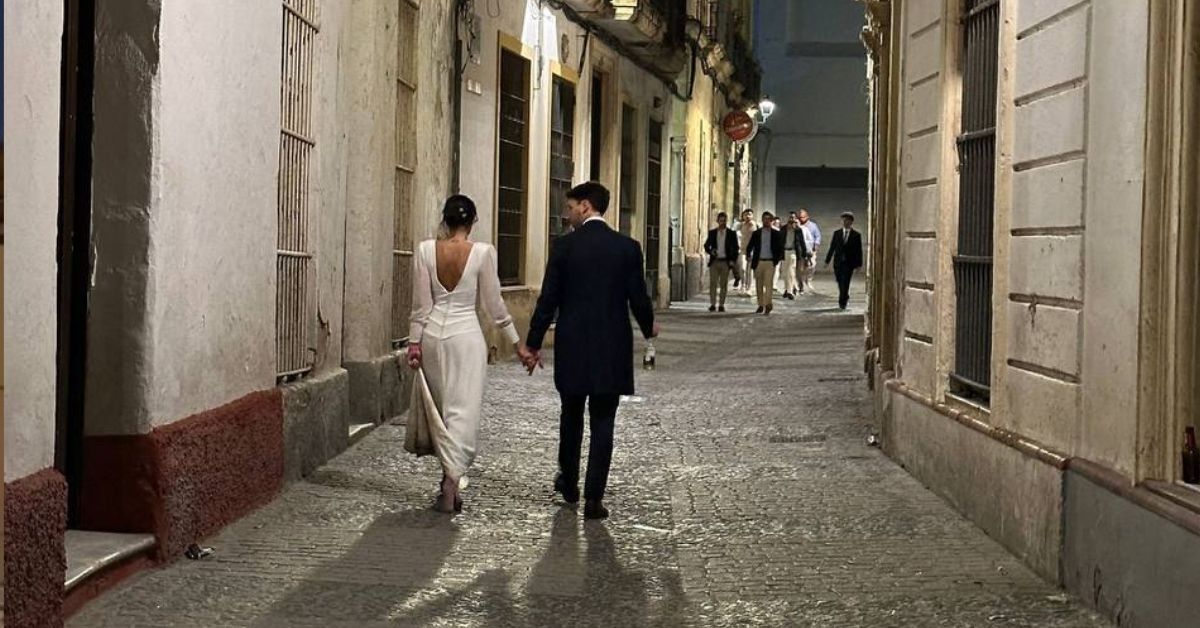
(74, 240)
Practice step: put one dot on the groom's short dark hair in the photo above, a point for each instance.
(591, 192)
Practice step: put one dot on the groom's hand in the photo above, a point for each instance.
(530, 358)
(655, 330)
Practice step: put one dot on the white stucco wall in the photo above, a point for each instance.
(33, 52)
(331, 96)
(1041, 395)
(920, 203)
(212, 254)
(1116, 164)
(371, 118)
(435, 117)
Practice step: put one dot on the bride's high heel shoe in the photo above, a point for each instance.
(454, 505)
(450, 508)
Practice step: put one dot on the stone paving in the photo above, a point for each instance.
(743, 494)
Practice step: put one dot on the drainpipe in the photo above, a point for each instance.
(456, 96)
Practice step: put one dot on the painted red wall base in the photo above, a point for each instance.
(35, 558)
(185, 481)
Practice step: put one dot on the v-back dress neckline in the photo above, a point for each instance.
(466, 267)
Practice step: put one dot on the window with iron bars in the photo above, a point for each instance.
(653, 205)
(406, 167)
(977, 176)
(562, 147)
(628, 173)
(293, 355)
(512, 167)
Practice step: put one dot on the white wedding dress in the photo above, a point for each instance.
(453, 350)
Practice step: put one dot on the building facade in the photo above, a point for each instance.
(213, 208)
(1032, 315)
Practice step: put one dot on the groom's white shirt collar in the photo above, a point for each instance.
(600, 218)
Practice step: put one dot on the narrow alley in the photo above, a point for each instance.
(955, 382)
(743, 493)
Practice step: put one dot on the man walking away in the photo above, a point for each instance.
(847, 255)
(814, 247)
(796, 250)
(722, 250)
(593, 280)
(766, 251)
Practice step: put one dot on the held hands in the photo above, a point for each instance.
(414, 357)
(531, 359)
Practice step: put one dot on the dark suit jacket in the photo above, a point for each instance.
(593, 280)
(731, 246)
(754, 249)
(847, 254)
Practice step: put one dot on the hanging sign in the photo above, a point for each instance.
(739, 126)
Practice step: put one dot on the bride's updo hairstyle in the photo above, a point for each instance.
(459, 213)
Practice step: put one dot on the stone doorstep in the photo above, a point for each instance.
(359, 431)
(92, 553)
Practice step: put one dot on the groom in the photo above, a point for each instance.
(593, 280)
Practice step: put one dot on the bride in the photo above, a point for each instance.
(446, 344)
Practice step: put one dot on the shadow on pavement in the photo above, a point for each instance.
(398, 556)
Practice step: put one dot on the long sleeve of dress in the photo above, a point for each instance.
(422, 298)
(489, 295)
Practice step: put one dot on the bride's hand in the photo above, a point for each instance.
(529, 358)
(414, 356)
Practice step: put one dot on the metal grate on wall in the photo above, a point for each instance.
(653, 206)
(406, 168)
(562, 148)
(293, 256)
(627, 194)
(977, 182)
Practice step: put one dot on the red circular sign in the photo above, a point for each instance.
(739, 126)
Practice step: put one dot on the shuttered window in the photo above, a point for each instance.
(628, 192)
(653, 205)
(512, 167)
(562, 147)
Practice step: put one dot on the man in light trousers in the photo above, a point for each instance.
(814, 246)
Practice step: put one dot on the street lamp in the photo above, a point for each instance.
(766, 107)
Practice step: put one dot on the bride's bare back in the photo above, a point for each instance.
(452, 258)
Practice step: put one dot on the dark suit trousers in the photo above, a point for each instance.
(603, 411)
(843, 273)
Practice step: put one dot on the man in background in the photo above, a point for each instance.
(746, 230)
(722, 249)
(765, 251)
(814, 233)
(796, 253)
(847, 255)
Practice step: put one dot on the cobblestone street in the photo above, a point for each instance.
(743, 493)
